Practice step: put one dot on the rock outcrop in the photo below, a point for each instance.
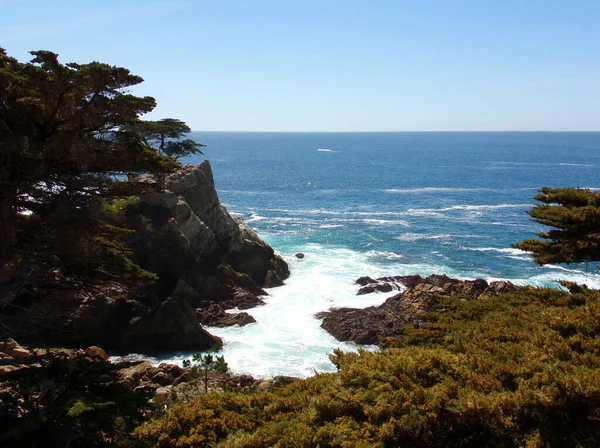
(366, 326)
(216, 316)
(201, 255)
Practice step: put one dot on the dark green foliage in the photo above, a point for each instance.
(167, 136)
(515, 370)
(67, 402)
(61, 145)
(574, 214)
(208, 363)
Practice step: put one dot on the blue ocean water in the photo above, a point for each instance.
(382, 204)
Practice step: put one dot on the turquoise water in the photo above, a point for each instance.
(384, 204)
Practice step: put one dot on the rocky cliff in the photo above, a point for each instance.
(206, 262)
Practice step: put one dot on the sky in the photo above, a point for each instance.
(329, 65)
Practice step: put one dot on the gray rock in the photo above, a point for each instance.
(162, 395)
(241, 246)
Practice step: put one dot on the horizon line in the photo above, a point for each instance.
(398, 132)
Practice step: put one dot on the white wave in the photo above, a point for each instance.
(501, 223)
(510, 252)
(434, 190)
(482, 207)
(506, 165)
(287, 338)
(466, 207)
(324, 150)
(386, 222)
(426, 236)
(330, 226)
(551, 279)
(422, 236)
(321, 211)
(254, 217)
(504, 250)
(424, 212)
(382, 254)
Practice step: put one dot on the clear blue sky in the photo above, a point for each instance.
(322, 65)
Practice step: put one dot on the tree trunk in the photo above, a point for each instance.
(7, 227)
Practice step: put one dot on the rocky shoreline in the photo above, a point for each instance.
(417, 297)
(161, 384)
(206, 262)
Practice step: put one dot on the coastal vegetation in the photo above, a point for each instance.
(69, 133)
(574, 215)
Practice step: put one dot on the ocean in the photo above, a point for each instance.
(383, 204)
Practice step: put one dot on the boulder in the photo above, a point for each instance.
(96, 353)
(379, 287)
(131, 376)
(300, 255)
(242, 300)
(162, 395)
(11, 349)
(215, 316)
(387, 284)
(162, 378)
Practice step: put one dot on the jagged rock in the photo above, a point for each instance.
(363, 281)
(386, 284)
(421, 299)
(379, 287)
(272, 280)
(497, 288)
(366, 326)
(130, 377)
(148, 388)
(171, 369)
(215, 316)
(162, 378)
(242, 300)
(242, 247)
(11, 349)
